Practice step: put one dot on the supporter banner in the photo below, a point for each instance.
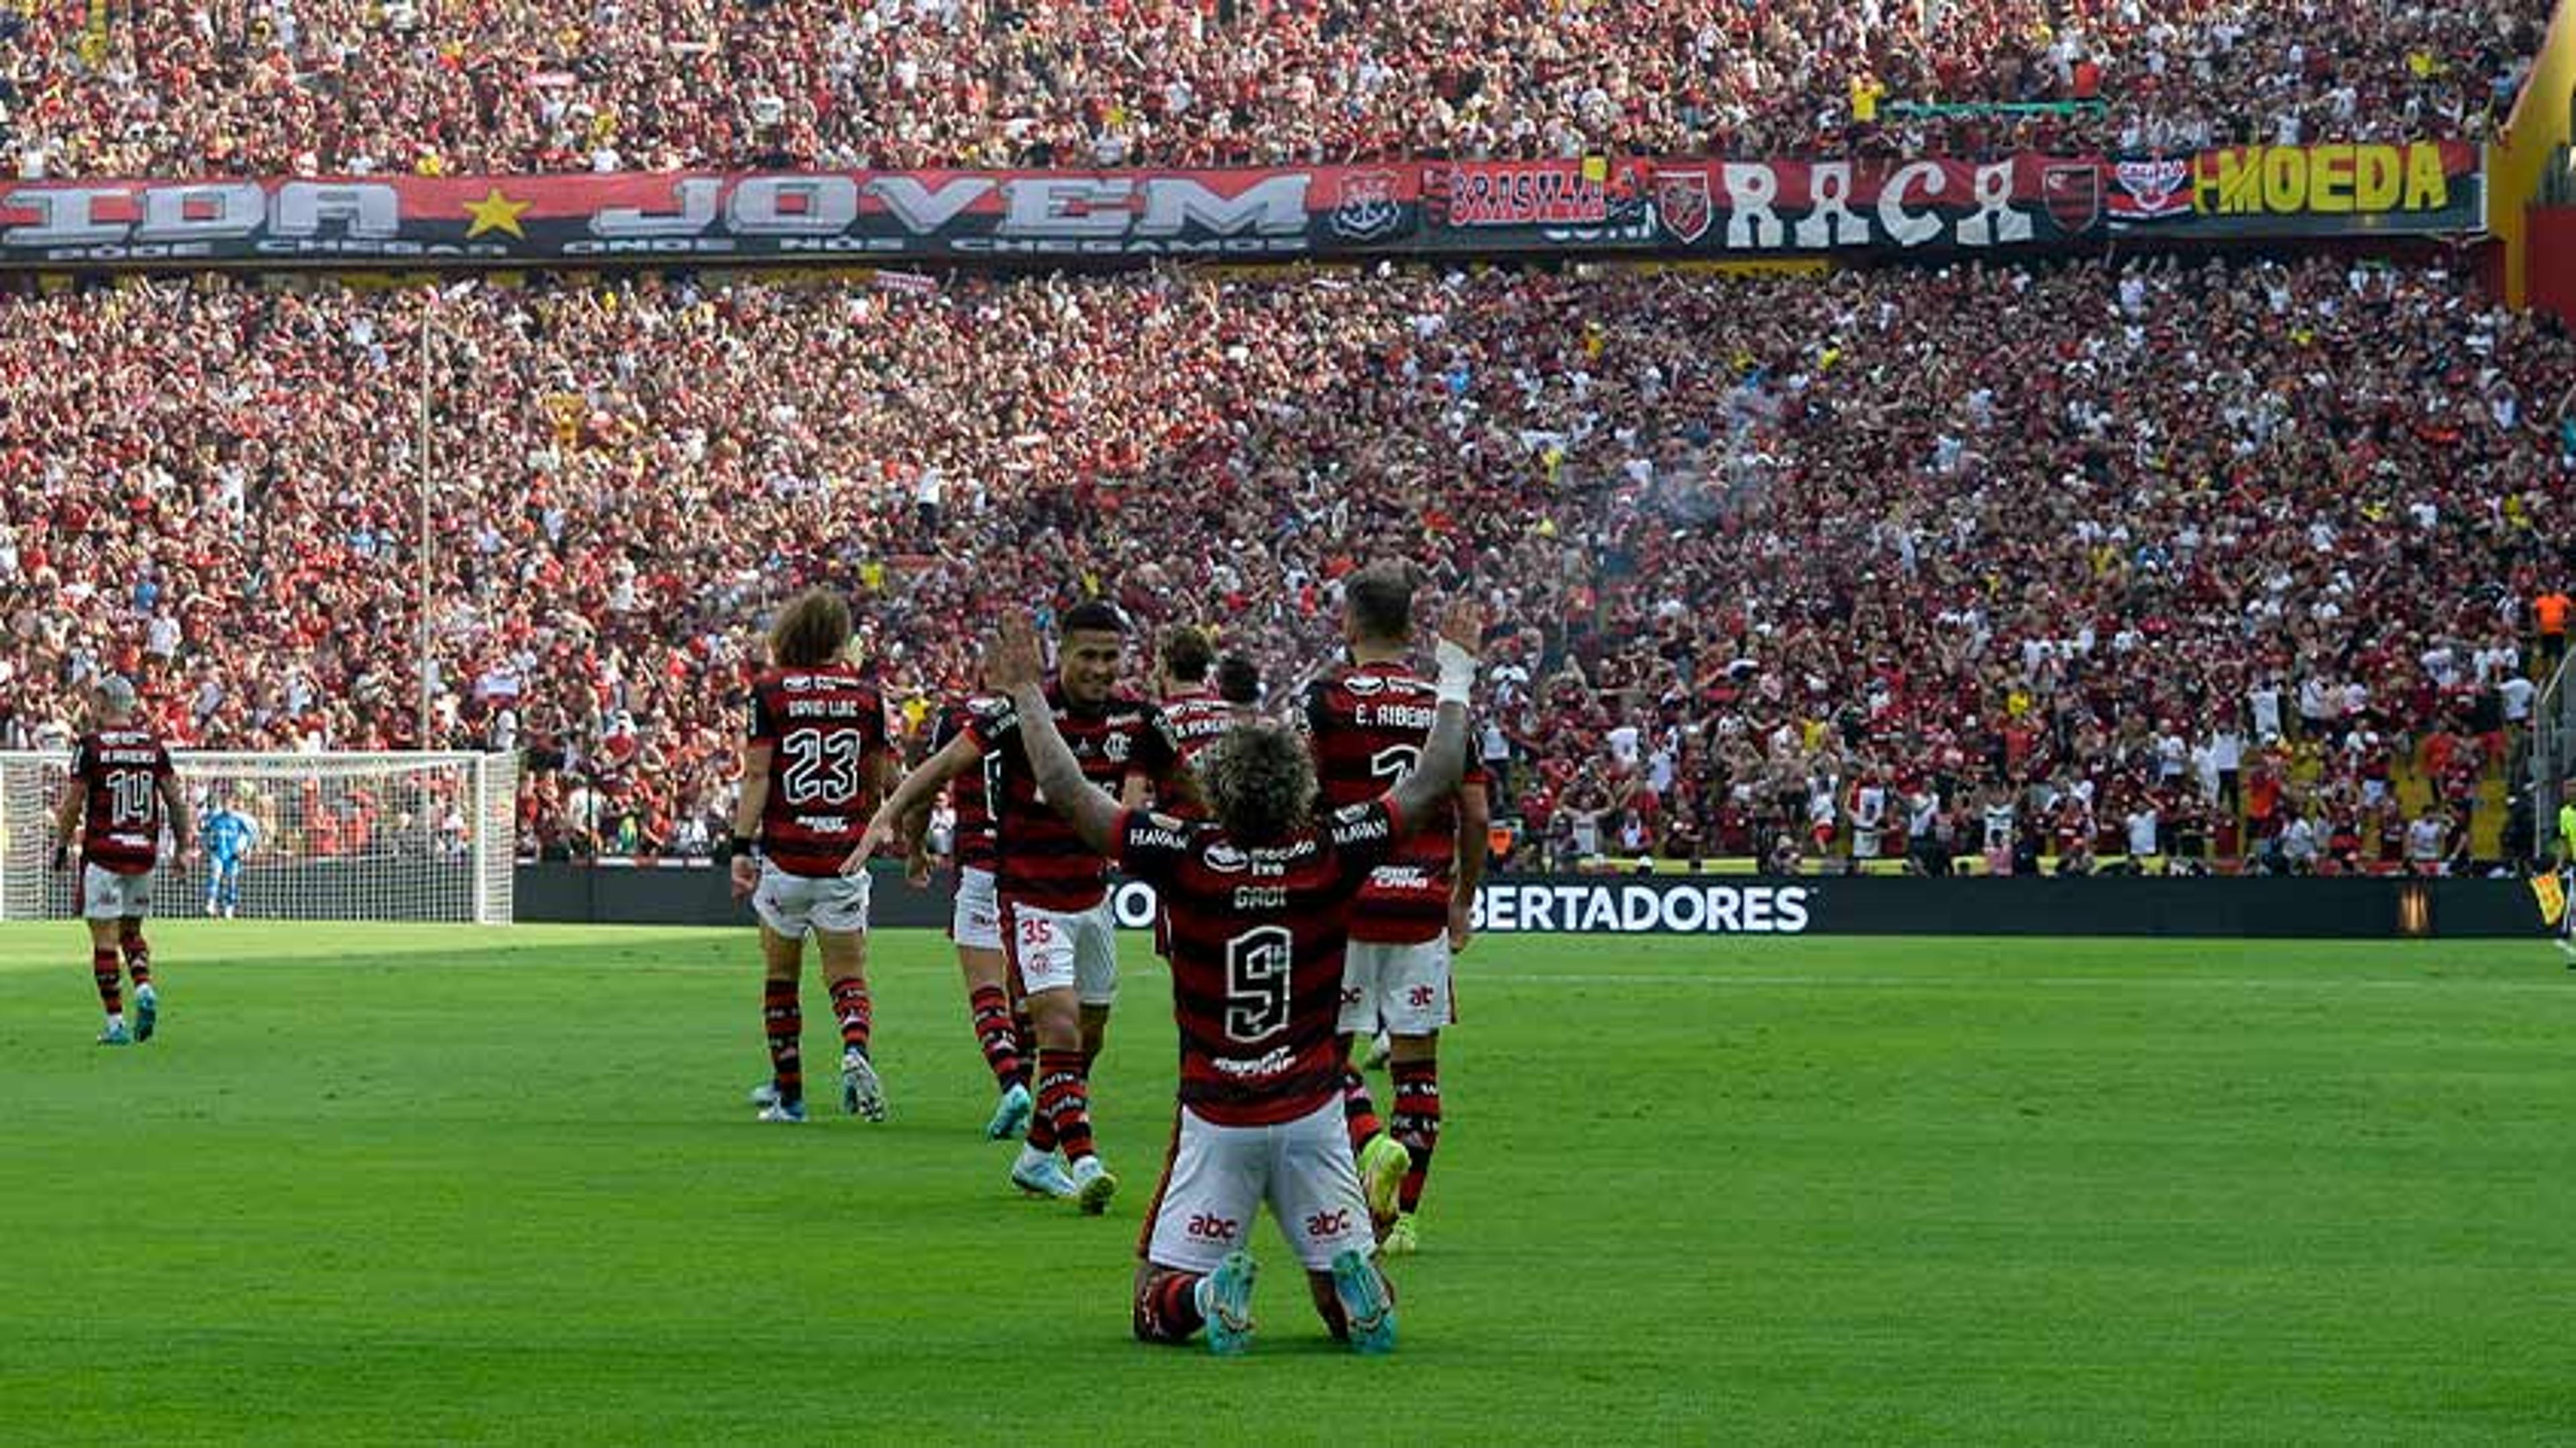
(2294, 191)
(1730, 208)
(1597, 206)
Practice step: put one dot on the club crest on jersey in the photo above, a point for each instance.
(1116, 747)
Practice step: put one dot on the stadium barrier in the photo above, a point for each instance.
(1434, 210)
(2349, 909)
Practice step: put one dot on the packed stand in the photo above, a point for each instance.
(264, 87)
(1772, 557)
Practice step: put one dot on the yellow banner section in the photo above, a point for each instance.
(2531, 138)
(2329, 179)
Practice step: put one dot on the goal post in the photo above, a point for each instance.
(373, 837)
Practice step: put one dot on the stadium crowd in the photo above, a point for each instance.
(1772, 558)
(166, 88)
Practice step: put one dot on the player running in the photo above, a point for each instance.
(1057, 933)
(229, 836)
(122, 790)
(816, 757)
(1258, 897)
(1367, 723)
(975, 924)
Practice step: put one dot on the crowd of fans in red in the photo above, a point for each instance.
(1769, 555)
(190, 87)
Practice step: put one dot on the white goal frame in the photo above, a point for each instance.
(439, 841)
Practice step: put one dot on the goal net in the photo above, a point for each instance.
(295, 837)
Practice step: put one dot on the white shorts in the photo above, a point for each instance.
(976, 922)
(107, 895)
(1064, 950)
(1404, 986)
(794, 905)
(1220, 1176)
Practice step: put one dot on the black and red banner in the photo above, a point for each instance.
(1598, 205)
(2325, 190)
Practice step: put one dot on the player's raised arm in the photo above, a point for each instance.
(1012, 666)
(1443, 762)
(909, 802)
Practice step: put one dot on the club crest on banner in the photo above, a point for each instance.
(2156, 186)
(1366, 208)
(1682, 202)
(2073, 191)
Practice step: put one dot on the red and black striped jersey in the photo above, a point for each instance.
(1199, 719)
(121, 770)
(826, 729)
(973, 847)
(1043, 863)
(1256, 937)
(1366, 725)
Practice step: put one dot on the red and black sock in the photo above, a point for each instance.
(138, 955)
(1416, 1123)
(1025, 1027)
(850, 1008)
(784, 1019)
(1064, 1097)
(1167, 1307)
(1359, 1110)
(994, 1032)
(102, 969)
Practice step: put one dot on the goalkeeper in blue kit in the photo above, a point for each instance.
(230, 836)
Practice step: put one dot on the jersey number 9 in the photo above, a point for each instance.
(1257, 982)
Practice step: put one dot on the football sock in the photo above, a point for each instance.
(138, 956)
(1359, 1111)
(102, 970)
(1025, 1030)
(784, 1019)
(850, 1007)
(994, 1032)
(1167, 1307)
(1064, 1099)
(1416, 1123)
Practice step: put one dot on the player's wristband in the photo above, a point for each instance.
(745, 845)
(1457, 674)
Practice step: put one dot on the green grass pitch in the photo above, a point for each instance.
(417, 1184)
